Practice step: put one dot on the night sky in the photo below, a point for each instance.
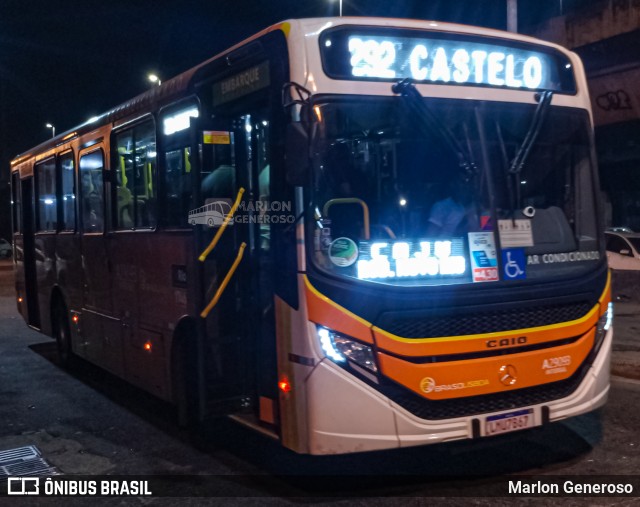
(65, 61)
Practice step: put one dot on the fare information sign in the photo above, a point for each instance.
(461, 61)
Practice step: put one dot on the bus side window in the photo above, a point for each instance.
(177, 186)
(16, 200)
(146, 171)
(46, 209)
(218, 179)
(135, 168)
(91, 167)
(68, 192)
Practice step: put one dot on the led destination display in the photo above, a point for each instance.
(436, 59)
(406, 259)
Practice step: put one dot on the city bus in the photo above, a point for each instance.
(416, 254)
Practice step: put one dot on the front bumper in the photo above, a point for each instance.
(347, 415)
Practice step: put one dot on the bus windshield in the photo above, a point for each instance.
(393, 202)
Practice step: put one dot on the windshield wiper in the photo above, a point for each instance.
(525, 148)
(406, 89)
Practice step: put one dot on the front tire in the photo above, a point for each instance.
(186, 387)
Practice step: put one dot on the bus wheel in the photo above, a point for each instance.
(186, 388)
(63, 336)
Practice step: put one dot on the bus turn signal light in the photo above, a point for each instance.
(284, 385)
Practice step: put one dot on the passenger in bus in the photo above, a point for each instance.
(456, 212)
(219, 182)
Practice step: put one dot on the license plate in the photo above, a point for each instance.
(511, 421)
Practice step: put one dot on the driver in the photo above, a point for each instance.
(455, 214)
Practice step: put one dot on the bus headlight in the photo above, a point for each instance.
(340, 349)
(603, 325)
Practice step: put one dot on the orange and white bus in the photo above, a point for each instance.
(416, 253)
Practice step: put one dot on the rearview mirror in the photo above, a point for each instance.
(296, 156)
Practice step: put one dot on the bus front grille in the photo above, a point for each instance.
(487, 321)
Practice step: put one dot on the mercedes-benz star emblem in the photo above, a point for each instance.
(508, 374)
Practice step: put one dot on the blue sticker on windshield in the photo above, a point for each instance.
(514, 264)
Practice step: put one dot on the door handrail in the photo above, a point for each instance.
(227, 219)
(225, 282)
(351, 200)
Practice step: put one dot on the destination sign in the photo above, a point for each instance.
(458, 61)
(241, 84)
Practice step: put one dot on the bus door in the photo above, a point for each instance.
(234, 157)
(30, 275)
(100, 332)
(255, 276)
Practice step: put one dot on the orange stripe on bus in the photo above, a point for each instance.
(325, 312)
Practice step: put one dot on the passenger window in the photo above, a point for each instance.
(134, 164)
(46, 212)
(91, 168)
(177, 159)
(16, 200)
(68, 192)
(178, 186)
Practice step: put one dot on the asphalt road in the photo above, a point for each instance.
(90, 423)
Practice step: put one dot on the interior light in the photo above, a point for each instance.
(403, 202)
(179, 121)
(75, 318)
(19, 300)
(147, 346)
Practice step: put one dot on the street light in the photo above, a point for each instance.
(340, 8)
(53, 129)
(154, 79)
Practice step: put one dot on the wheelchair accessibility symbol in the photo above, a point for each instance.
(514, 264)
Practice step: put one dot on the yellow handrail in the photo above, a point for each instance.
(225, 282)
(351, 200)
(227, 219)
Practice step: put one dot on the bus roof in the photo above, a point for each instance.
(174, 87)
